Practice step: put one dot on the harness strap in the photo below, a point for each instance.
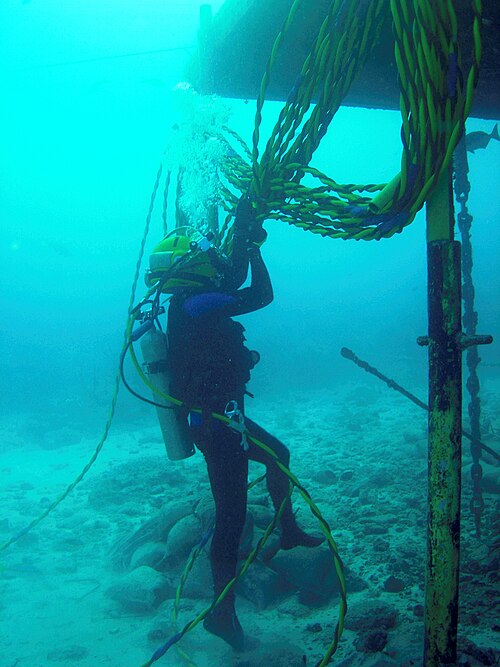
(237, 422)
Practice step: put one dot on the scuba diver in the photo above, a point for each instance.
(209, 369)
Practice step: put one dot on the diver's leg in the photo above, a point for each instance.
(227, 466)
(277, 483)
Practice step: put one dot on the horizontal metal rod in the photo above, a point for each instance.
(349, 354)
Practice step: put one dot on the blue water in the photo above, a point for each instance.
(82, 139)
(86, 109)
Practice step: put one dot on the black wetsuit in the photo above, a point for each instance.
(210, 366)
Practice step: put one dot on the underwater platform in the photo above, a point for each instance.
(235, 44)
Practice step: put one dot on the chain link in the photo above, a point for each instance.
(470, 319)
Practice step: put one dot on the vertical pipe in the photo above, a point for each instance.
(181, 219)
(445, 403)
(205, 76)
(213, 218)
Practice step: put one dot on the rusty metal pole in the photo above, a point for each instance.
(445, 407)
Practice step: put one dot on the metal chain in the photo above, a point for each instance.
(470, 318)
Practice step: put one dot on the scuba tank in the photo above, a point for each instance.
(182, 248)
(173, 421)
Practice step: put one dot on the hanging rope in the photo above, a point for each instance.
(52, 506)
(294, 484)
(435, 100)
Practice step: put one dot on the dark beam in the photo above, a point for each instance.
(235, 47)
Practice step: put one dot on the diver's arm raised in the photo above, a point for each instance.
(260, 291)
(231, 303)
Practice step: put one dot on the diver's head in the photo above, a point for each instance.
(186, 260)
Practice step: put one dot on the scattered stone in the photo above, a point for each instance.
(381, 478)
(183, 537)
(29, 539)
(155, 529)
(314, 627)
(485, 656)
(375, 528)
(260, 498)
(346, 475)
(380, 545)
(263, 586)
(66, 567)
(394, 585)
(326, 477)
(362, 395)
(140, 591)
(471, 619)
(400, 566)
(311, 572)
(68, 543)
(132, 481)
(347, 662)
(151, 554)
(277, 655)
(73, 653)
(411, 437)
(61, 437)
(418, 610)
(133, 509)
(199, 583)
(353, 425)
(159, 634)
(372, 643)
(354, 582)
(262, 515)
(370, 616)
(25, 486)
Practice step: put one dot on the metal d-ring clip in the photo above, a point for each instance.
(237, 422)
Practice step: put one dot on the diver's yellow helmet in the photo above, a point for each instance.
(185, 258)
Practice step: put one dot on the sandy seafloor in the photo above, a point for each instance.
(361, 452)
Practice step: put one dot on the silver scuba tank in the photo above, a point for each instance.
(173, 422)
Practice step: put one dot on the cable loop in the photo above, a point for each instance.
(436, 95)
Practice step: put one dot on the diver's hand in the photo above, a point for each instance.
(258, 236)
(245, 213)
(246, 223)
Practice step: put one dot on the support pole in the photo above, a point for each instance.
(445, 407)
(205, 77)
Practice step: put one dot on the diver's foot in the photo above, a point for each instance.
(298, 538)
(225, 624)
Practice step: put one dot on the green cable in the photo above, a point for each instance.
(330, 542)
(265, 80)
(426, 47)
(52, 506)
(425, 44)
(294, 483)
(128, 327)
(190, 625)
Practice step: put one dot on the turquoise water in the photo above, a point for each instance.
(87, 108)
